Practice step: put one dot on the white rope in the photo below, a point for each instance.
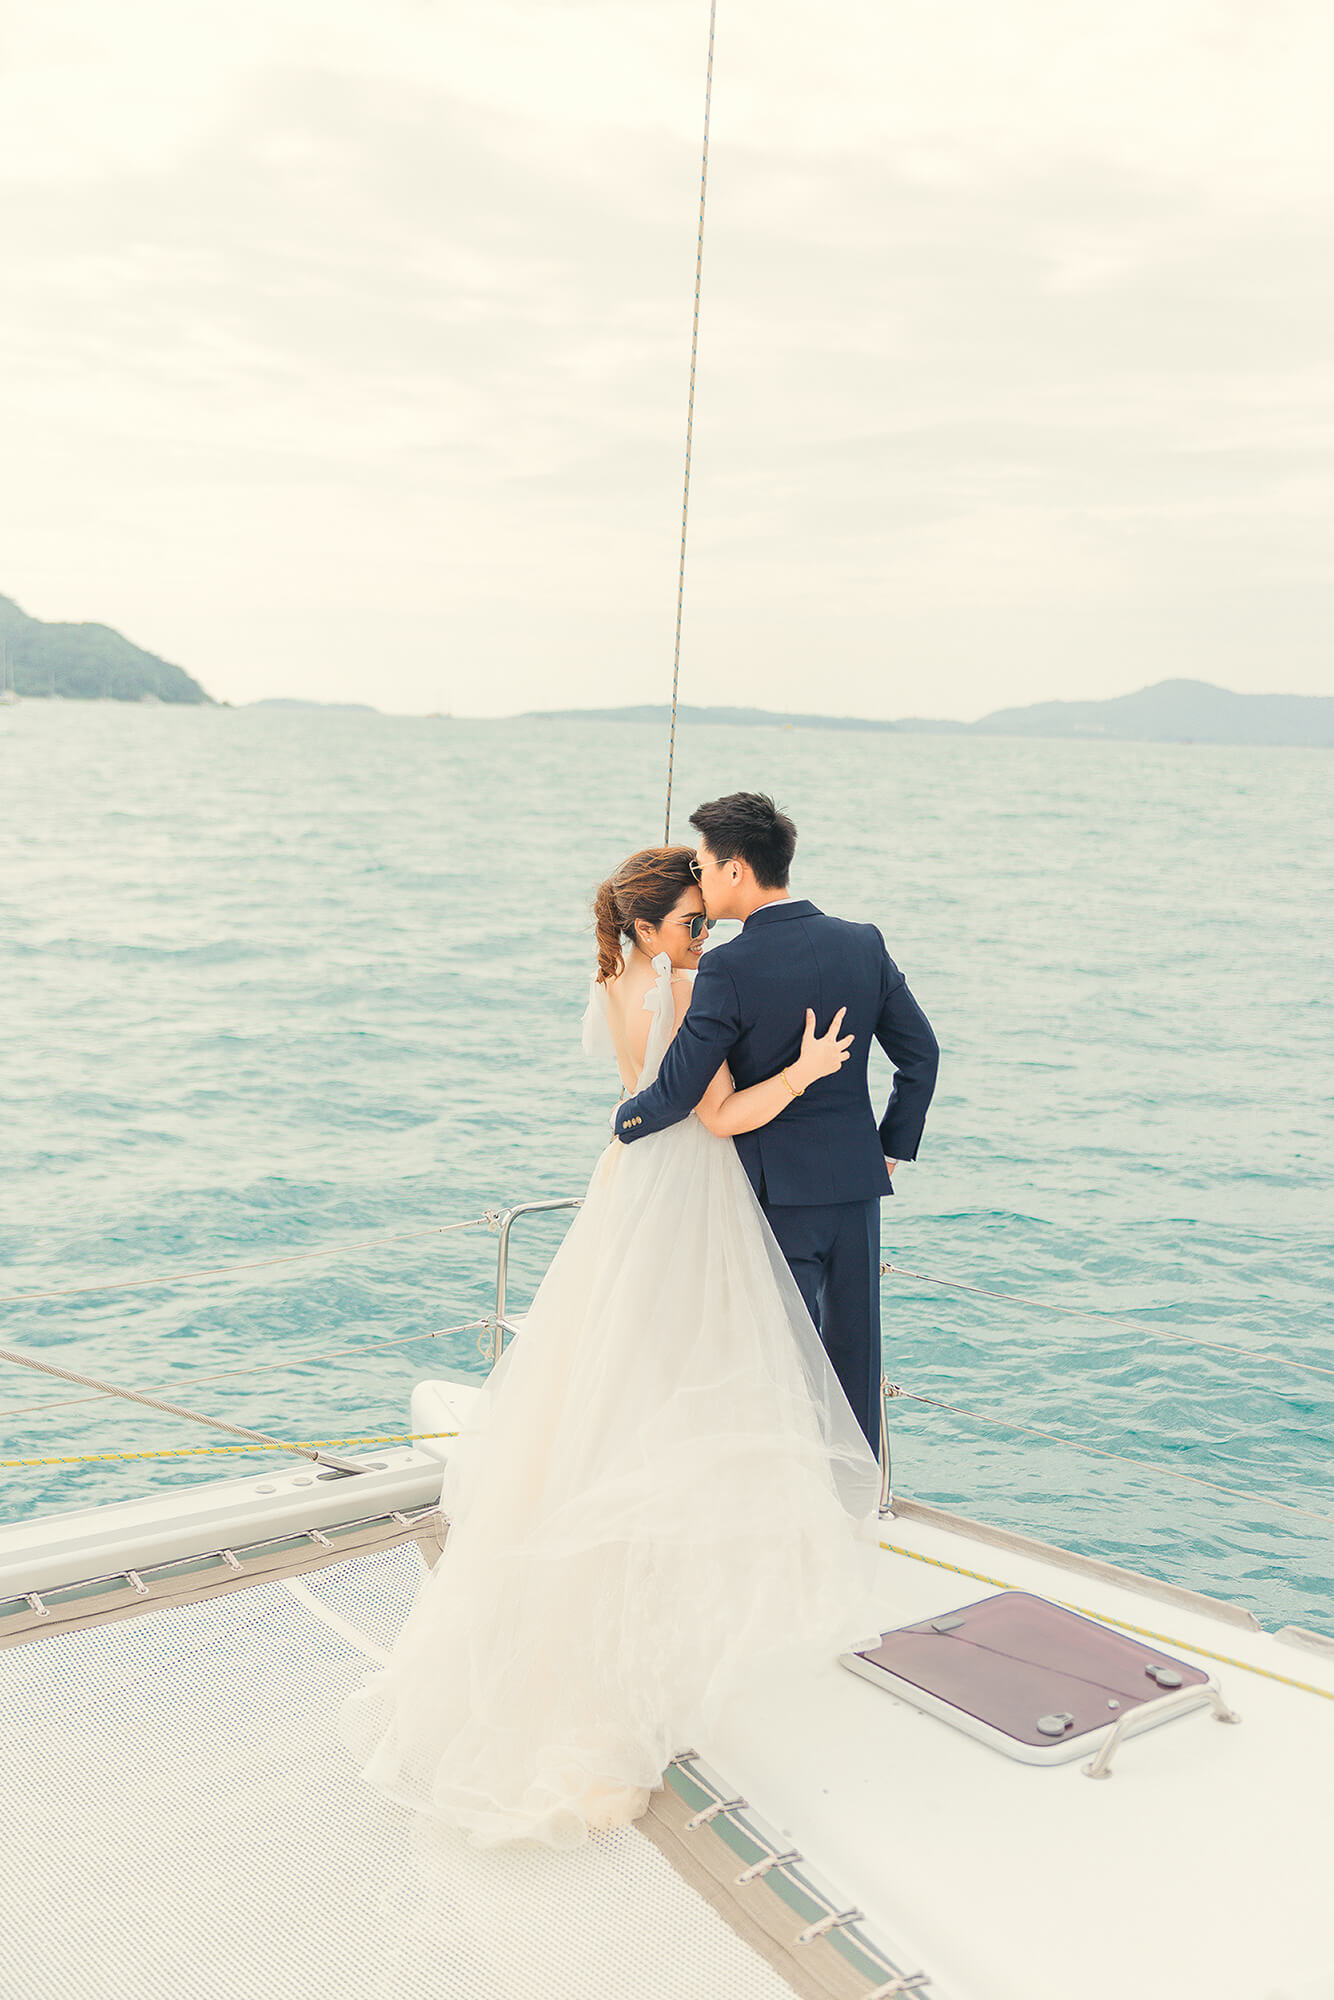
(266, 1367)
(334, 1620)
(152, 1402)
(1105, 1319)
(226, 1270)
(690, 429)
(1141, 1464)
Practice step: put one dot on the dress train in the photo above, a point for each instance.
(664, 1491)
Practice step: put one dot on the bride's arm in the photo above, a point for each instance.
(727, 1111)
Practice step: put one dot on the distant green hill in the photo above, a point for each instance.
(86, 663)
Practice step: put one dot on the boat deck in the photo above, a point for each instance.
(182, 1818)
(1198, 1870)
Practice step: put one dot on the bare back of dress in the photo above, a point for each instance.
(599, 1039)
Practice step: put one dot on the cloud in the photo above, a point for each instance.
(367, 356)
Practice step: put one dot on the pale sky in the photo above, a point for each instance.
(344, 343)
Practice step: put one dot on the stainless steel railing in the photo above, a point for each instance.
(502, 1324)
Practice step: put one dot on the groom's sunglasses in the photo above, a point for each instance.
(700, 925)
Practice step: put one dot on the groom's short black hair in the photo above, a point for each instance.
(747, 826)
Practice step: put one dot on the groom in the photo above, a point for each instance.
(821, 1168)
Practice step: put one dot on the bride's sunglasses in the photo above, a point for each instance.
(699, 924)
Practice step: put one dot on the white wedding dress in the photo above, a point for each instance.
(664, 1492)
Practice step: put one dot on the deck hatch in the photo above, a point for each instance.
(1024, 1674)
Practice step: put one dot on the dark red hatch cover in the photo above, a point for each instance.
(1026, 1668)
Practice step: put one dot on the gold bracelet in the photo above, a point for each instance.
(788, 1081)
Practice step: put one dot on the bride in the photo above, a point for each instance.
(664, 1489)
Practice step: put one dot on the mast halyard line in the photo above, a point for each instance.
(690, 429)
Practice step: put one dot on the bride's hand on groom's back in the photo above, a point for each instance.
(821, 1055)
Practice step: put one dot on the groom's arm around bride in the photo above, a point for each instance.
(819, 1169)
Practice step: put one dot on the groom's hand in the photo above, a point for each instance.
(890, 1166)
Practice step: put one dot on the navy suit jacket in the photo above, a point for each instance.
(748, 1010)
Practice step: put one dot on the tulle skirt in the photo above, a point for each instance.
(664, 1491)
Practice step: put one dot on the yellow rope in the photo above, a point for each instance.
(1140, 1631)
(891, 1548)
(221, 1450)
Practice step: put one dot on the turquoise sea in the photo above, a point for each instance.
(276, 981)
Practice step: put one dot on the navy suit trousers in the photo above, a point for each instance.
(833, 1252)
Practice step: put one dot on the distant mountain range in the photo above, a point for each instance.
(747, 717)
(1174, 712)
(91, 662)
(86, 662)
(1168, 712)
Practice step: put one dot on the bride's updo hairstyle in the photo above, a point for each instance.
(644, 889)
